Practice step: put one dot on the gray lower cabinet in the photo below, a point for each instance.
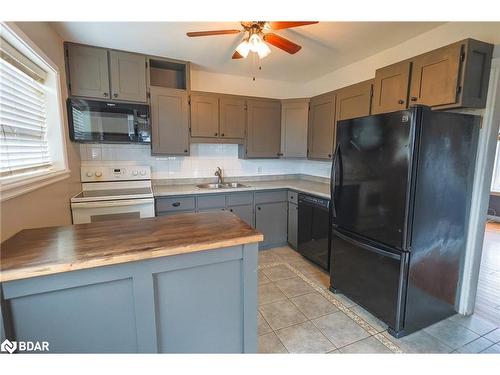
(293, 221)
(169, 121)
(271, 220)
(202, 302)
(267, 211)
(245, 213)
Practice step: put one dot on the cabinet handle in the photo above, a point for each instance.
(105, 93)
(215, 134)
(176, 204)
(185, 150)
(401, 101)
(258, 208)
(115, 95)
(413, 98)
(222, 135)
(279, 154)
(231, 210)
(329, 155)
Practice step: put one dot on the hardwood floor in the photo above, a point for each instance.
(488, 291)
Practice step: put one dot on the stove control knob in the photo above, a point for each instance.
(143, 173)
(135, 173)
(89, 174)
(98, 173)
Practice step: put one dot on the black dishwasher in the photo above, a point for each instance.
(313, 224)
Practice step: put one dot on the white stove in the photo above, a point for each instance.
(113, 193)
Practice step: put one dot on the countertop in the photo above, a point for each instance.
(319, 189)
(45, 251)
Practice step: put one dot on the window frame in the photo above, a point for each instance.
(14, 186)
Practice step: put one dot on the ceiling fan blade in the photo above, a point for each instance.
(236, 55)
(212, 32)
(282, 43)
(278, 25)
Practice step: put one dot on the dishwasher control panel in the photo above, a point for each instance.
(308, 199)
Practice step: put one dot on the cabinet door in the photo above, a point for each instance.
(88, 71)
(128, 76)
(354, 101)
(435, 76)
(245, 213)
(204, 116)
(294, 117)
(390, 88)
(321, 129)
(233, 117)
(264, 129)
(293, 219)
(271, 220)
(170, 121)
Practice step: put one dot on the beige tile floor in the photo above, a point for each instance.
(297, 314)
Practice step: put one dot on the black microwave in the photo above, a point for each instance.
(108, 122)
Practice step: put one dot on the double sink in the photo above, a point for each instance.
(228, 185)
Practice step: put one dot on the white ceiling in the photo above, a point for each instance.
(326, 46)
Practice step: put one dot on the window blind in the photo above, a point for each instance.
(23, 139)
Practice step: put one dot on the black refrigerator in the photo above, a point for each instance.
(401, 187)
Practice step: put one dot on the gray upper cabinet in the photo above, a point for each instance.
(233, 117)
(321, 128)
(354, 101)
(87, 71)
(170, 121)
(204, 116)
(263, 128)
(294, 117)
(106, 74)
(128, 76)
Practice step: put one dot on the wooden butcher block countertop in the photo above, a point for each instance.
(45, 251)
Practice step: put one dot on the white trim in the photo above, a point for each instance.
(481, 193)
(15, 189)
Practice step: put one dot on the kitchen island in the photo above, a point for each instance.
(183, 283)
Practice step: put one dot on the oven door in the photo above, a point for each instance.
(108, 122)
(92, 212)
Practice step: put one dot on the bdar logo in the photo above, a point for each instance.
(8, 346)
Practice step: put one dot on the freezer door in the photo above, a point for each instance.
(370, 176)
(372, 277)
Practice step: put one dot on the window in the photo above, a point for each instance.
(32, 151)
(495, 182)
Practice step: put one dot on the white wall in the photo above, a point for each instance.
(243, 85)
(202, 162)
(435, 38)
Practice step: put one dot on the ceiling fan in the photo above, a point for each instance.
(257, 34)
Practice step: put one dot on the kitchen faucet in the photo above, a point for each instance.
(218, 173)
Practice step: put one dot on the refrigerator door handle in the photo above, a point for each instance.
(366, 246)
(333, 181)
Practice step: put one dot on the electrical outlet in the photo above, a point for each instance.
(259, 169)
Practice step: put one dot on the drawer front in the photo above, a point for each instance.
(211, 201)
(175, 204)
(168, 213)
(239, 199)
(293, 197)
(271, 196)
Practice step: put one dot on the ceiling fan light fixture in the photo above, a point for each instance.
(263, 50)
(243, 48)
(255, 41)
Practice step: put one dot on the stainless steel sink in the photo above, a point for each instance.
(229, 185)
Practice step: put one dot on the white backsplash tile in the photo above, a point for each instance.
(202, 162)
